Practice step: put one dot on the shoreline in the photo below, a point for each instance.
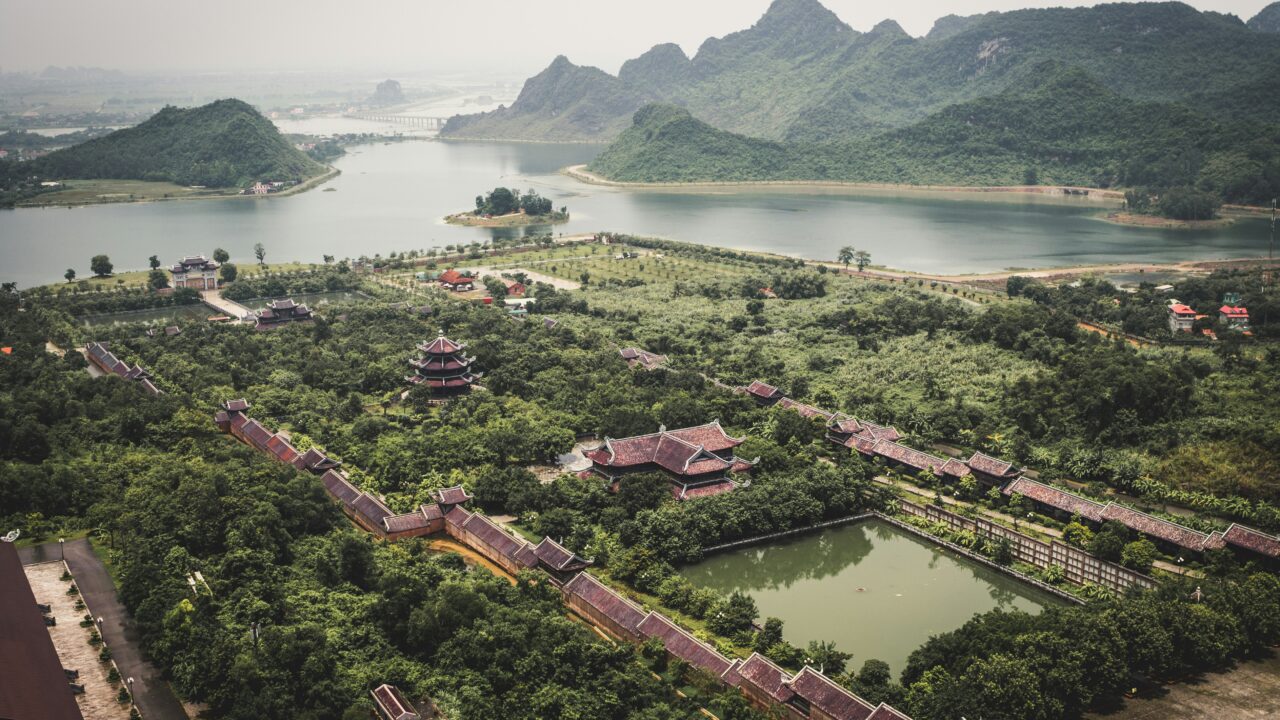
(301, 187)
(581, 174)
(1128, 219)
(467, 219)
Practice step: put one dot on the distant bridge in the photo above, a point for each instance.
(418, 121)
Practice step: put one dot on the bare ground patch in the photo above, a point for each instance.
(1249, 692)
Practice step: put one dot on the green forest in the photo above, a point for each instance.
(1062, 128)
(165, 494)
(224, 144)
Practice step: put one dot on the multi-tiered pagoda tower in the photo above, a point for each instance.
(443, 367)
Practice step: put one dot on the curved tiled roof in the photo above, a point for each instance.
(607, 601)
(1053, 497)
(830, 698)
(990, 466)
(771, 679)
(1254, 540)
(683, 645)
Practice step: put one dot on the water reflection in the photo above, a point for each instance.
(874, 589)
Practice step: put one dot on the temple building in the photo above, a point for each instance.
(443, 367)
(98, 354)
(392, 705)
(559, 562)
(279, 313)
(643, 359)
(992, 471)
(764, 393)
(698, 459)
(196, 272)
(805, 695)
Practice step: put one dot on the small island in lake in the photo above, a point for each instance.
(507, 207)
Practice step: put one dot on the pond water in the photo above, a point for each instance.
(876, 590)
(394, 196)
(312, 300)
(155, 316)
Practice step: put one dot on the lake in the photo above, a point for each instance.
(393, 197)
(877, 591)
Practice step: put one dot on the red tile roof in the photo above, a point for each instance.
(687, 451)
(608, 602)
(1180, 309)
(441, 346)
(1053, 497)
(339, 488)
(829, 697)
(691, 492)
(371, 508)
(1254, 540)
(991, 466)
(1234, 312)
(239, 405)
(453, 277)
(954, 468)
(683, 645)
(451, 496)
(431, 512)
(498, 539)
(404, 523)
(908, 456)
(1183, 537)
(257, 434)
(768, 677)
(887, 712)
(556, 556)
(808, 411)
(393, 704)
(763, 390)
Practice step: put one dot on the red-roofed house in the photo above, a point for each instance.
(1235, 317)
(453, 280)
(691, 457)
(990, 470)
(1181, 318)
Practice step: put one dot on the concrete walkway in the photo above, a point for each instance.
(213, 298)
(153, 695)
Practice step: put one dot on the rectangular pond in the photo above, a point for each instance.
(876, 590)
(153, 316)
(312, 300)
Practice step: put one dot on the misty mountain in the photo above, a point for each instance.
(223, 144)
(1268, 20)
(801, 74)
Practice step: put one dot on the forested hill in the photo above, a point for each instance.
(1059, 126)
(1268, 20)
(223, 144)
(801, 74)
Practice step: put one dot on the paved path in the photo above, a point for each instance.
(214, 298)
(155, 699)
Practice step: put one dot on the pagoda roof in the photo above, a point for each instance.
(557, 557)
(761, 672)
(431, 512)
(764, 390)
(441, 363)
(688, 451)
(197, 262)
(988, 465)
(606, 600)
(455, 495)
(238, 405)
(954, 468)
(315, 461)
(283, 304)
(441, 346)
(832, 699)
(683, 645)
(1255, 540)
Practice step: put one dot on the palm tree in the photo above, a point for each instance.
(845, 256)
(863, 258)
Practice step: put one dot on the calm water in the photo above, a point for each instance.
(156, 316)
(312, 300)
(875, 590)
(392, 197)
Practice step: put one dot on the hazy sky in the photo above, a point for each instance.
(512, 37)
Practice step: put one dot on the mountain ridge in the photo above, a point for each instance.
(801, 74)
